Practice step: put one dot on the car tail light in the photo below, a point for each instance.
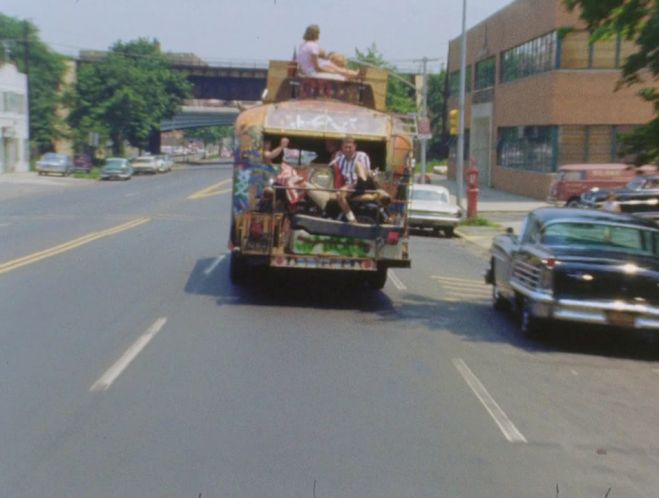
(393, 238)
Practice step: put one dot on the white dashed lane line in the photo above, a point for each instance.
(511, 433)
(214, 264)
(112, 373)
(398, 283)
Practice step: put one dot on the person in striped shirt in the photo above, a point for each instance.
(352, 175)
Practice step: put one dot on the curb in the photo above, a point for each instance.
(483, 242)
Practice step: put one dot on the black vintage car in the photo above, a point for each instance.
(580, 265)
(640, 196)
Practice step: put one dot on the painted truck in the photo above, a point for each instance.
(275, 223)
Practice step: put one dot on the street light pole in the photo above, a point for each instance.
(424, 115)
(459, 174)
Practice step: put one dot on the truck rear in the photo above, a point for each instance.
(277, 220)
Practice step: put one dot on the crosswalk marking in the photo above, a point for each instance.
(462, 289)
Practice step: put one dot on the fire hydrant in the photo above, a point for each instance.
(472, 190)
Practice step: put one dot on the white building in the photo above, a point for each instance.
(14, 126)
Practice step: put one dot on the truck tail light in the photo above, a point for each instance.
(393, 238)
(256, 230)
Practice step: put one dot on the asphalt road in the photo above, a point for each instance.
(130, 366)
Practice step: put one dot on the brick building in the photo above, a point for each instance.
(540, 96)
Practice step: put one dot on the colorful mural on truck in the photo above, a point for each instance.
(349, 247)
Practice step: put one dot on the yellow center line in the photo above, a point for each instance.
(211, 190)
(67, 246)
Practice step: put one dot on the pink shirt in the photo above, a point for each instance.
(305, 57)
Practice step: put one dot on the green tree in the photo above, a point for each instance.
(209, 134)
(636, 20)
(400, 97)
(46, 72)
(127, 94)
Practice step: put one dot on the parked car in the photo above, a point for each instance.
(145, 164)
(573, 180)
(82, 162)
(166, 163)
(116, 168)
(640, 196)
(430, 207)
(578, 265)
(52, 162)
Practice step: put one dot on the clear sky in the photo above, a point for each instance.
(254, 30)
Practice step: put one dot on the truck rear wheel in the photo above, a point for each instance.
(237, 269)
(376, 280)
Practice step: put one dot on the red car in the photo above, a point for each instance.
(82, 162)
(575, 179)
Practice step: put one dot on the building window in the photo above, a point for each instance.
(454, 82)
(485, 74)
(590, 144)
(530, 148)
(14, 102)
(533, 57)
(577, 52)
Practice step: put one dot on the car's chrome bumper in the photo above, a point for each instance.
(427, 220)
(603, 312)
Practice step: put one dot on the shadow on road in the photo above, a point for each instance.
(473, 321)
(298, 289)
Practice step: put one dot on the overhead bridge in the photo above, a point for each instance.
(200, 116)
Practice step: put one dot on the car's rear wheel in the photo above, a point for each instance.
(572, 203)
(448, 232)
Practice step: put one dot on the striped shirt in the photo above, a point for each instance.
(347, 166)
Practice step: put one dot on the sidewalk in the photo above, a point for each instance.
(13, 185)
(502, 208)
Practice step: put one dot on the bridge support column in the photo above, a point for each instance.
(154, 142)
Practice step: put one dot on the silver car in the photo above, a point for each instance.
(430, 207)
(52, 162)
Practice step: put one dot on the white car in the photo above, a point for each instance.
(145, 164)
(430, 207)
(166, 163)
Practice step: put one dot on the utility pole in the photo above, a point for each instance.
(26, 61)
(423, 113)
(459, 174)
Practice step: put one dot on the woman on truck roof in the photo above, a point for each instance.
(309, 57)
